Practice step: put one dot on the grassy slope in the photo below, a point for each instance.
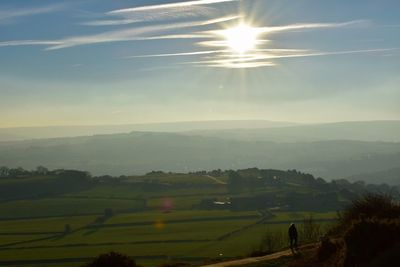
(152, 233)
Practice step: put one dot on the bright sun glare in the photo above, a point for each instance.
(241, 38)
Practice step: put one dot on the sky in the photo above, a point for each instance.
(93, 62)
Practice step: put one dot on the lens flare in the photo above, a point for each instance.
(159, 225)
(167, 205)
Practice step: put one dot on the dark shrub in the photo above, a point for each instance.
(389, 258)
(372, 206)
(367, 239)
(175, 264)
(326, 249)
(112, 259)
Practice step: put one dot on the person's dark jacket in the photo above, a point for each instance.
(292, 232)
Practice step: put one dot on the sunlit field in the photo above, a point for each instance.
(150, 237)
(152, 225)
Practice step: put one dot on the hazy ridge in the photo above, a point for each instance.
(138, 153)
(332, 151)
(26, 133)
(363, 131)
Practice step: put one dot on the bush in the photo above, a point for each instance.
(113, 259)
(366, 239)
(372, 206)
(368, 235)
(389, 258)
(175, 264)
(326, 249)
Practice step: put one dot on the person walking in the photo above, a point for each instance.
(293, 237)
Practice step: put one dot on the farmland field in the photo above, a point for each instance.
(151, 237)
(152, 218)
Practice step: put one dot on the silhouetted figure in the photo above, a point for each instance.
(293, 237)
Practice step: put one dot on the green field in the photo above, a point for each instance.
(153, 218)
(63, 206)
(151, 236)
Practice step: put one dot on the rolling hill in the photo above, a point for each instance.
(141, 152)
(26, 133)
(390, 176)
(370, 131)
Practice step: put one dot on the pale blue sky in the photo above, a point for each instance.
(86, 61)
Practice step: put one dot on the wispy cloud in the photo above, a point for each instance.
(7, 14)
(146, 18)
(110, 22)
(303, 26)
(222, 53)
(222, 39)
(173, 36)
(129, 34)
(177, 5)
(260, 57)
(150, 16)
(242, 65)
(220, 56)
(29, 42)
(265, 59)
(159, 12)
(179, 54)
(292, 27)
(132, 33)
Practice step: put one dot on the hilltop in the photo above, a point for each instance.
(369, 131)
(27, 133)
(142, 152)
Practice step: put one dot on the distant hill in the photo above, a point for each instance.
(26, 133)
(391, 177)
(141, 152)
(388, 131)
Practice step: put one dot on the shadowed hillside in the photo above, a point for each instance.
(362, 131)
(367, 235)
(141, 152)
(391, 176)
(26, 133)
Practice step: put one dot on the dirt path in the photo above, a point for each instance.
(218, 181)
(245, 261)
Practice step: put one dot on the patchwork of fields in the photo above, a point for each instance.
(153, 226)
(147, 236)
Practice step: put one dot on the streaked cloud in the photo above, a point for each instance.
(222, 54)
(303, 26)
(173, 36)
(242, 65)
(176, 10)
(132, 33)
(260, 57)
(230, 38)
(129, 34)
(292, 27)
(265, 59)
(178, 54)
(176, 5)
(29, 42)
(110, 22)
(7, 14)
(151, 16)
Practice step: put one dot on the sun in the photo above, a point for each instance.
(241, 38)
